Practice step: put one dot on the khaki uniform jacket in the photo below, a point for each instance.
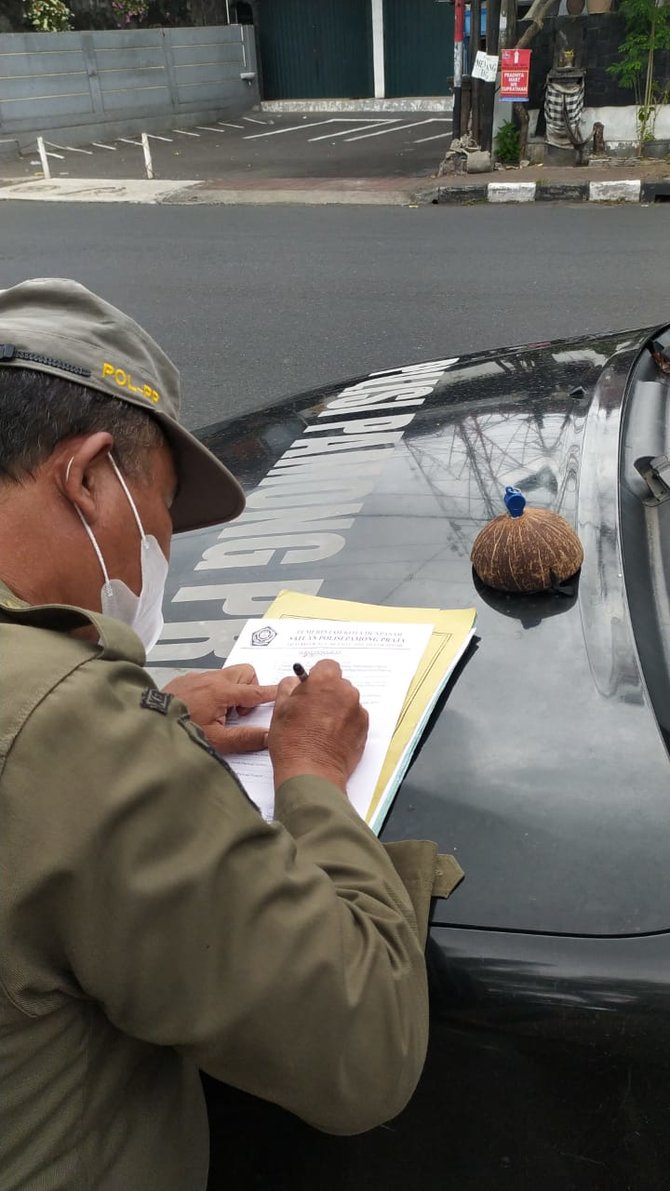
(151, 923)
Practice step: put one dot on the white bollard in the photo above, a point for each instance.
(43, 157)
(147, 156)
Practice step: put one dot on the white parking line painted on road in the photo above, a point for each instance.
(328, 136)
(182, 132)
(99, 145)
(225, 125)
(127, 141)
(314, 124)
(155, 137)
(206, 128)
(438, 136)
(69, 148)
(402, 127)
(250, 120)
(294, 128)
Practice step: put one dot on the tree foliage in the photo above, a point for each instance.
(647, 30)
(49, 16)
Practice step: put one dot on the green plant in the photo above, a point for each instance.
(49, 16)
(647, 30)
(129, 12)
(646, 113)
(507, 144)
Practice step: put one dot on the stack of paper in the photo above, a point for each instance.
(399, 658)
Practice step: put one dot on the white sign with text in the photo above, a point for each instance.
(485, 67)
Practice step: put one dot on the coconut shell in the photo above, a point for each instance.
(527, 554)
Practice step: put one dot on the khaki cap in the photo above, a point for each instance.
(58, 326)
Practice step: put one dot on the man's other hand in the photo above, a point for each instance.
(211, 694)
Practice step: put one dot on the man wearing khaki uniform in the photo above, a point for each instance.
(151, 923)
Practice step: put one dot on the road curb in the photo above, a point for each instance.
(615, 192)
(570, 192)
(630, 190)
(655, 192)
(511, 192)
(470, 193)
(201, 194)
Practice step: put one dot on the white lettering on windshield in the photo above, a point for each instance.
(298, 513)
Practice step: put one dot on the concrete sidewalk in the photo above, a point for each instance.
(231, 191)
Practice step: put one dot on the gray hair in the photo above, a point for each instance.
(38, 410)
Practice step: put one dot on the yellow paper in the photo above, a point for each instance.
(452, 630)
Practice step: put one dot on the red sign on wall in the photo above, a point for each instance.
(514, 74)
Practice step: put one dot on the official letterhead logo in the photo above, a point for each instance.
(264, 636)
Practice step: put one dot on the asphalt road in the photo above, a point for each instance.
(258, 146)
(258, 302)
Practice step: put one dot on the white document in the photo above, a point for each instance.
(485, 67)
(379, 659)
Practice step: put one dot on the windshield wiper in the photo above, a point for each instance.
(660, 356)
(655, 472)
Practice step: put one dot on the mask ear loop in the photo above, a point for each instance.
(89, 531)
(131, 502)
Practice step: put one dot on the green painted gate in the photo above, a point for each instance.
(418, 47)
(316, 49)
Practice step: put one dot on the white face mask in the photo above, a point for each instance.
(143, 612)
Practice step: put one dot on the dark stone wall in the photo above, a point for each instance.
(12, 19)
(595, 40)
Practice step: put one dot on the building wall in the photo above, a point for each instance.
(620, 124)
(355, 49)
(92, 84)
(595, 40)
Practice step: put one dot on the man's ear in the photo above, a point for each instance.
(79, 471)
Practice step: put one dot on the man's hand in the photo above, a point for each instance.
(210, 694)
(318, 727)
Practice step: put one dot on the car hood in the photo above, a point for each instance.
(543, 769)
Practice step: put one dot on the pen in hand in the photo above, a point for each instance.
(300, 672)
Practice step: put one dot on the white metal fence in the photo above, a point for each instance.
(91, 83)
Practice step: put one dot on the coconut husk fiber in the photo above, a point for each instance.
(531, 551)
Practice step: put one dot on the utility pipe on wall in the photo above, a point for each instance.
(377, 9)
